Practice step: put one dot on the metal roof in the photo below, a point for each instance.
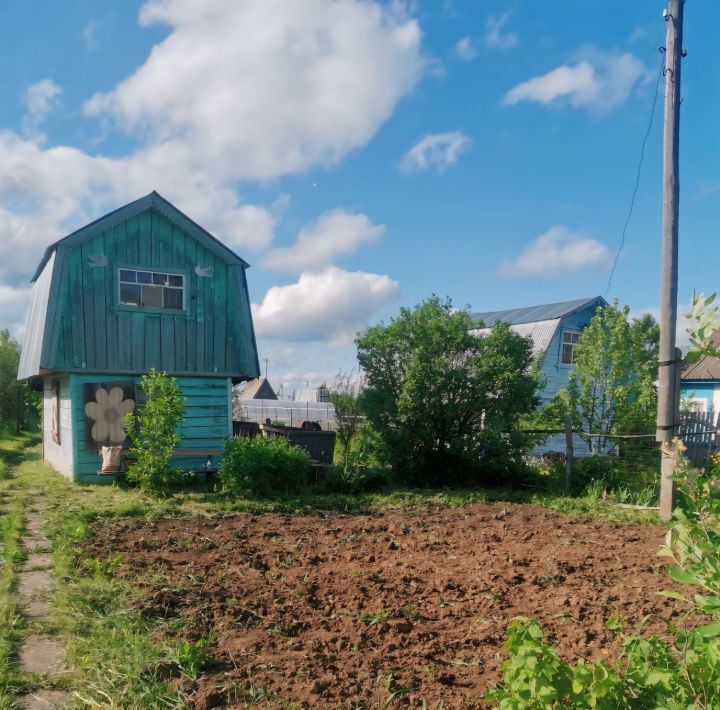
(151, 201)
(706, 368)
(533, 314)
(540, 332)
(31, 352)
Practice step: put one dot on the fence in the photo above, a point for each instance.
(287, 412)
(700, 433)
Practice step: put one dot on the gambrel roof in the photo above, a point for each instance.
(539, 323)
(532, 314)
(151, 201)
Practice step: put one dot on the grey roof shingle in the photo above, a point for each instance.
(706, 368)
(531, 314)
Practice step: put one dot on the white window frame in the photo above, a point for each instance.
(153, 272)
(563, 343)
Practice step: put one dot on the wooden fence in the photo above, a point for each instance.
(700, 432)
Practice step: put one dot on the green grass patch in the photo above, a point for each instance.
(115, 656)
(11, 621)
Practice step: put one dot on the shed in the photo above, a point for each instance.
(144, 287)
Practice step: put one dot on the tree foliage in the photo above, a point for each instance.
(19, 405)
(152, 433)
(445, 403)
(704, 325)
(612, 387)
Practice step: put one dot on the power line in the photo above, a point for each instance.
(639, 170)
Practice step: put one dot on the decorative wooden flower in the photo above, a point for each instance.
(109, 410)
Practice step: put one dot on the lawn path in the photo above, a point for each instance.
(39, 653)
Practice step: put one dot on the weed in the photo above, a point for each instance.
(374, 619)
(193, 656)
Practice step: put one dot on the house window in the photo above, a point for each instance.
(152, 289)
(570, 339)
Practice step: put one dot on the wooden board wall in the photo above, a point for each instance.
(89, 330)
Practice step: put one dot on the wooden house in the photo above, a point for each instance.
(700, 382)
(554, 329)
(143, 287)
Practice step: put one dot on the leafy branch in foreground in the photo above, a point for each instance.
(704, 325)
(680, 672)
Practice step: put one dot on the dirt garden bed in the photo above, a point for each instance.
(406, 607)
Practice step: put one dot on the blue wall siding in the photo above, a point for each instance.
(206, 424)
(556, 376)
(700, 390)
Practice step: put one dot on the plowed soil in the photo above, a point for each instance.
(358, 610)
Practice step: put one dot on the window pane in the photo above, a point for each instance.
(130, 294)
(176, 280)
(152, 296)
(173, 298)
(160, 279)
(127, 275)
(567, 354)
(144, 277)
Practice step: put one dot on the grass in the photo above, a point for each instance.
(11, 622)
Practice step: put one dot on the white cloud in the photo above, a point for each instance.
(494, 35)
(329, 306)
(465, 49)
(435, 150)
(558, 250)
(264, 88)
(89, 36)
(40, 99)
(335, 233)
(597, 81)
(235, 92)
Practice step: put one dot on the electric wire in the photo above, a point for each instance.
(661, 73)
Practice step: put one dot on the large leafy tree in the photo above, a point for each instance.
(18, 403)
(612, 389)
(445, 403)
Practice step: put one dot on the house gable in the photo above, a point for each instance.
(86, 328)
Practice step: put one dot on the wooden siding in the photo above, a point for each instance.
(59, 456)
(87, 329)
(556, 375)
(204, 424)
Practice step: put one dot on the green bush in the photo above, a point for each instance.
(152, 434)
(681, 672)
(263, 467)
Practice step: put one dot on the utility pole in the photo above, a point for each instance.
(266, 367)
(669, 367)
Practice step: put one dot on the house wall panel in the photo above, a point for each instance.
(59, 456)
(204, 424)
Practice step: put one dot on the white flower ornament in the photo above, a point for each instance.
(109, 410)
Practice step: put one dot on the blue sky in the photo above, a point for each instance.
(363, 155)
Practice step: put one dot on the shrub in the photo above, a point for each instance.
(445, 403)
(263, 467)
(152, 434)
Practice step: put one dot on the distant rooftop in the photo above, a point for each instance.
(532, 314)
(706, 368)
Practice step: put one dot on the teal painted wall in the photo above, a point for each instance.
(206, 423)
(701, 390)
(89, 330)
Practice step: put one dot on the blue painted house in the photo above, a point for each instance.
(143, 287)
(554, 329)
(700, 388)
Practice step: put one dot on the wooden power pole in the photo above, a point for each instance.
(669, 370)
